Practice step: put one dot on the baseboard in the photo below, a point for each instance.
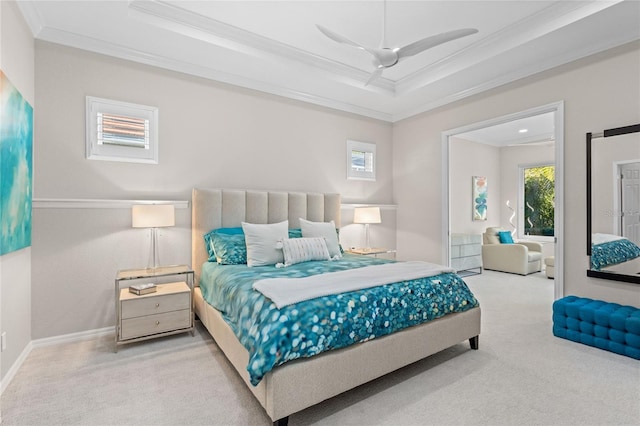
(48, 341)
(15, 367)
(72, 337)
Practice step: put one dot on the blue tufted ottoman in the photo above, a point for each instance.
(607, 326)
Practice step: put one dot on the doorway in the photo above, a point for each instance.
(556, 112)
(629, 204)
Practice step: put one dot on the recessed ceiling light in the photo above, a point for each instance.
(523, 130)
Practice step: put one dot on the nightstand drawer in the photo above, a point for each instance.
(152, 324)
(132, 308)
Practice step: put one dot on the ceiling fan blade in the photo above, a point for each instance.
(429, 42)
(374, 76)
(340, 39)
(337, 37)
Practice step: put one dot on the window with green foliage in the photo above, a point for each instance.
(538, 200)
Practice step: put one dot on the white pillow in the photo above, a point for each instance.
(264, 242)
(298, 250)
(326, 230)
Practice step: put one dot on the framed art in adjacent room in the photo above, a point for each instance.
(479, 198)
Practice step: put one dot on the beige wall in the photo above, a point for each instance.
(211, 135)
(17, 63)
(598, 92)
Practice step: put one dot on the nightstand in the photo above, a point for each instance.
(167, 311)
(371, 251)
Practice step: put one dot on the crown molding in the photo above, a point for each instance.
(31, 16)
(340, 87)
(547, 20)
(518, 74)
(110, 49)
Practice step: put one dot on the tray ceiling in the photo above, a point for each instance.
(275, 47)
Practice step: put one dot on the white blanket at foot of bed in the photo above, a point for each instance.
(287, 291)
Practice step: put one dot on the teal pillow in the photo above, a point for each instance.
(295, 233)
(209, 245)
(505, 237)
(229, 231)
(229, 249)
(226, 246)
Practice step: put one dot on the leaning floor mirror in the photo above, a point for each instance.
(613, 204)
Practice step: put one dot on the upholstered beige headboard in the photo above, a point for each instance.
(226, 208)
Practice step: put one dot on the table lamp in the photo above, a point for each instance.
(366, 216)
(153, 216)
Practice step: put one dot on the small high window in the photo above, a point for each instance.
(121, 131)
(361, 160)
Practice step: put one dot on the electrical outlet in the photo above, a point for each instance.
(3, 341)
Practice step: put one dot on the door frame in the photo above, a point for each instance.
(617, 193)
(558, 109)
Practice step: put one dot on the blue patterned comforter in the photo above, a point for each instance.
(612, 253)
(274, 336)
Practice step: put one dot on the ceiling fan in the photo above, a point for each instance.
(386, 57)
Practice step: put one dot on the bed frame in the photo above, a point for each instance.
(299, 384)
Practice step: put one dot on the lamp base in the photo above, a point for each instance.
(367, 237)
(154, 258)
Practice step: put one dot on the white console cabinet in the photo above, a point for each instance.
(466, 252)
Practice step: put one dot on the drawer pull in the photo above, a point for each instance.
(157, 322)
(157, 305)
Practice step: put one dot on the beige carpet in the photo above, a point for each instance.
(521, 375)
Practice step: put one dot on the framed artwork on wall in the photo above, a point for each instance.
(479, 198)
(16, 168)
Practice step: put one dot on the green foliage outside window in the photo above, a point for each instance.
(539, 197)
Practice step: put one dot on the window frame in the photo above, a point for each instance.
(521, 202)
(367, 148)
(117, 152)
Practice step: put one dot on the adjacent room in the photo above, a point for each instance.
(319, 212)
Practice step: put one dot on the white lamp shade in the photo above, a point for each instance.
(366, 215)
(153, 215)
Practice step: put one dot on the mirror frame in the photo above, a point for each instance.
(634, 128)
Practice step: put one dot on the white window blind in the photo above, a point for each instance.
(121, 131)
(361, 160)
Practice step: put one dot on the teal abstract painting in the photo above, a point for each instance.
(479, 198)
(16, 170)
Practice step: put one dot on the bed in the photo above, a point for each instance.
(614, 253)
(297, 384)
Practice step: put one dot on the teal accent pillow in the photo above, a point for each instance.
(229, 231)
(229, 249)
(505, 237)
(209, 245)
(295, 233)
(226, 246)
